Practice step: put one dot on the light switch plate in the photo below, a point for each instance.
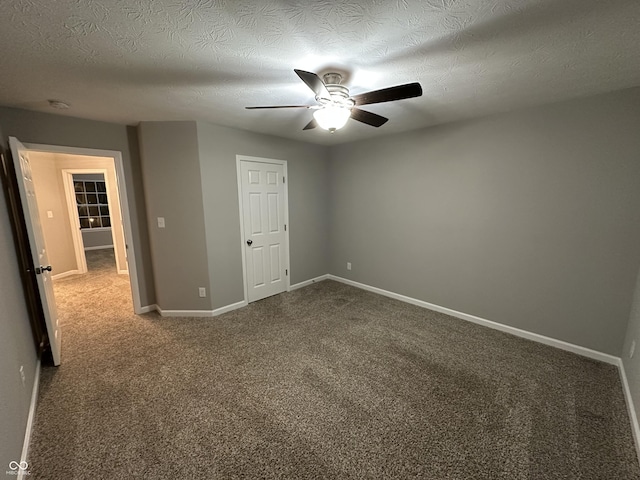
(160, 222)
(49, 213)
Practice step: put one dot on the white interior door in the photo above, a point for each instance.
(264, 226)
(36, 242)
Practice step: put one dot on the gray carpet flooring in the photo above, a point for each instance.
(323, 382)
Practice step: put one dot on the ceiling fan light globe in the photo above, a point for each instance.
(332, 117)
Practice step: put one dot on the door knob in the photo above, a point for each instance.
(42, 269)
(249, 242)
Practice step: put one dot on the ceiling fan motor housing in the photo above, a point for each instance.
(339, 93)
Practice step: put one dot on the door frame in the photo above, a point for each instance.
(245, 158)
(124, 205)
(78, 241)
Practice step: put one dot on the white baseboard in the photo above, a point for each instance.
(147, 309)
(570, 347)
(58, 276)
(296, 286)
(230, 308)
(220, 310)
(198, 313)
(98, 247)
(123, 272)
(635, 427)
(184, 313)
(585, 352)
(30, 419)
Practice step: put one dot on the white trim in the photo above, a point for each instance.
(74, 222)
(242, 240)
(184, 313)
(195, 313)
(635, 427)
(245, 158)
(583, 351)
(229, 308)
(30, 419)
(96, 229)
(148, 309)
(124, 205)
(296, 286)
(569, 347)
(115, 238)
(65, 274)
(98, 247)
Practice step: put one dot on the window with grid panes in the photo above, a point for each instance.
(93, 207)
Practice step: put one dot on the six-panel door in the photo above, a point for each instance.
(37, 246)
(264, 228)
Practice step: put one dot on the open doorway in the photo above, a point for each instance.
(84, 211)
(93, 203)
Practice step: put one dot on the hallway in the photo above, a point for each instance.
(88, 304)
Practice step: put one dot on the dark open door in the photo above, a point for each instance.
(25, 259)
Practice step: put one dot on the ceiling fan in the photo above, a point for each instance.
(335, 106)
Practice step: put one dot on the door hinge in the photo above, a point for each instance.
(284, 180)
(286, 272)
(285, 227)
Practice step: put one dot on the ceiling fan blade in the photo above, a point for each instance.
(369, 118)
(314, 82)
(280, 106)
(311, 124)
(399, 92)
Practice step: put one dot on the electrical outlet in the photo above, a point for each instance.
(632, 349)
(202, 292)
(24, 379)
(348, 265)
(160, 222)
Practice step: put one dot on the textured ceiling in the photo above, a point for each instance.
(126, 61)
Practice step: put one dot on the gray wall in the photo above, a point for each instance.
(308, 215)
(530, 219)
(35, 127)
(171, 171)
(16, 346)
(632, 365)
(190, 180)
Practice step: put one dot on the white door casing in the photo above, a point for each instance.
(38, 247)
(263, 219)
(72, 213)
